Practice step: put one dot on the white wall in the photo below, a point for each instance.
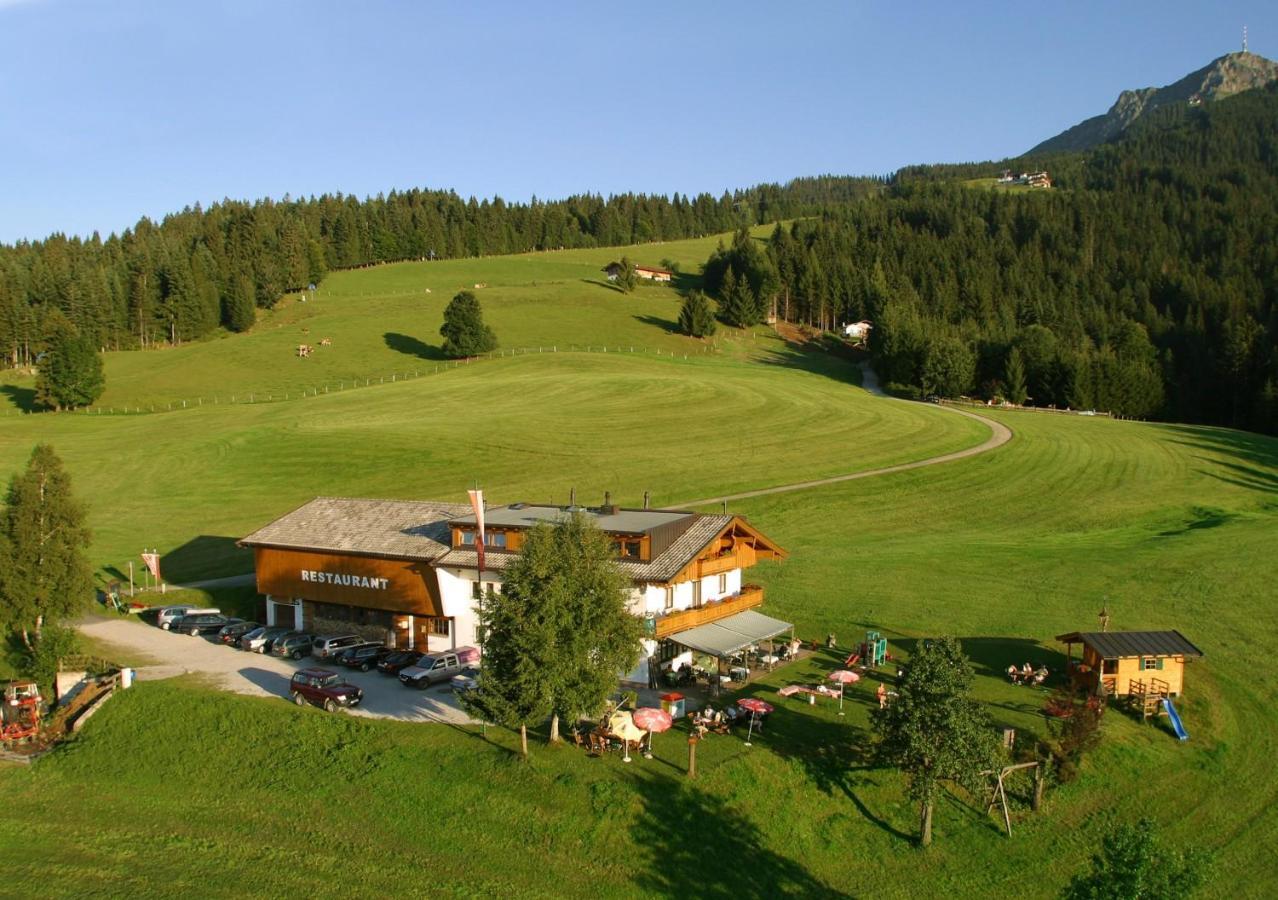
(456, 594)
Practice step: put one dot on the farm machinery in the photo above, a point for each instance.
(20, 715)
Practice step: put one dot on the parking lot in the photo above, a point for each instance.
(260, 675)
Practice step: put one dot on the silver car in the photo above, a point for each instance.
(171, 614)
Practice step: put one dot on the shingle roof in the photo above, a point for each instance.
(418, 529)
(400, 529)
(682, 550)
(1115, 644)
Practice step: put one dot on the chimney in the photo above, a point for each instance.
(645, 499)
(572, 496)
(607, 498)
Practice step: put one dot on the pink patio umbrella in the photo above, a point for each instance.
(843, 676)
(756, 708)
(653, 721)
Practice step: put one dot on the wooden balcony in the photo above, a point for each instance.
(742, 557)
(751, 595)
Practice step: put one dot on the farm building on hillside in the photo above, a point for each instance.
(408, 572)
(857, 331)
(650, 273)
(654, 274)
(1119, 663)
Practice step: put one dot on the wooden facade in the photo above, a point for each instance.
(1122, 664)
(402, 586)
(751, 596)
(738, 546)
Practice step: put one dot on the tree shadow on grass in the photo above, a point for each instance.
(204, 556)
(411, 346)
(699, 847)
(21, 397)
(604, 284)
(665, 325)
(1254, 457)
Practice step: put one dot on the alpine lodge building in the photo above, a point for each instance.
(407, 572)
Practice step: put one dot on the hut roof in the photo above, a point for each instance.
(1115, 644)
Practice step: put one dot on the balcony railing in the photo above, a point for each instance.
(751, 595)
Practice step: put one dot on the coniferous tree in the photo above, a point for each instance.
(695, 316)
(46, 576)
(239, 309)
(1133, 862)
(70, 370)
(627, 277)
(1014, 378)
(464, 331)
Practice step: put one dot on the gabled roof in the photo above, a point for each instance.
(1117, 644)
(398, 529)
(682, 551)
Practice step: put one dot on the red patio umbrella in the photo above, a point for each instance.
(843, 676)
(756, 708)
(653, 721)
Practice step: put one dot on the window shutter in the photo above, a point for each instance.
(1160, 663)
(1140, 664)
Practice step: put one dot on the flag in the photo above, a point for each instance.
(477, 504)
(152, 561)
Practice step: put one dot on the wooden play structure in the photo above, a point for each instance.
(1126, 663)
(872, 652)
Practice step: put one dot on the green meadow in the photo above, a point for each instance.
(1168, 526)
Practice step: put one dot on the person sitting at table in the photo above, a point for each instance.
(1027, 672)
(1040, 675)
(1014, 674)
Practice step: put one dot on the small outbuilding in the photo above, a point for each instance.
(1121, 663)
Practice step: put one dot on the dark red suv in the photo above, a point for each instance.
(323, 688)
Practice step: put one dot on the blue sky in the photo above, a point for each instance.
(114, 109)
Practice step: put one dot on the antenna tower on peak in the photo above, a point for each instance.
(1244, 39)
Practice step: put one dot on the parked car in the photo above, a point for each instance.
(323, 688)
(466, 680)
(295, 644)
(363, 656)
(231, 634)
(201, 623)
(166, 616)
(436, 667)
(261, 639)
(393, 662)
(326, 645)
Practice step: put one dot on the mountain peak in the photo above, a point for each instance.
(1225, 76)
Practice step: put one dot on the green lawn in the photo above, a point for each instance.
(1169, 526)
(382, 322)
(529, 427)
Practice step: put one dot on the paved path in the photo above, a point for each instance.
(1000, 434)
(265, 676)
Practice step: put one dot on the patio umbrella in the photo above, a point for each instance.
(623, 726)
(654, 721)
(756, 708)
(843, 676)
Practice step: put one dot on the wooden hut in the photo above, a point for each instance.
(1122, 663)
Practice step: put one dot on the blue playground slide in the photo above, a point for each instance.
(1175, 720)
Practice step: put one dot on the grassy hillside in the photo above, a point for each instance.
(386, 319)
(1168, 526)
(1174, 526)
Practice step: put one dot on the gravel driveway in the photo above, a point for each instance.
(266, 676)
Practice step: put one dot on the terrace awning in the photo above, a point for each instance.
(728, 636)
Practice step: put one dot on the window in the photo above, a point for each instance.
(495, 539)
(669, 598)
(468, 538)
(723, 584)
(629, 549)
(1109, 667)
(441, 627)
(475, 590)
(1150, 663)
(667, 650)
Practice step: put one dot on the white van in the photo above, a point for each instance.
(171, 614)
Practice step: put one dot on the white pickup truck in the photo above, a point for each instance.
(436, 667)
